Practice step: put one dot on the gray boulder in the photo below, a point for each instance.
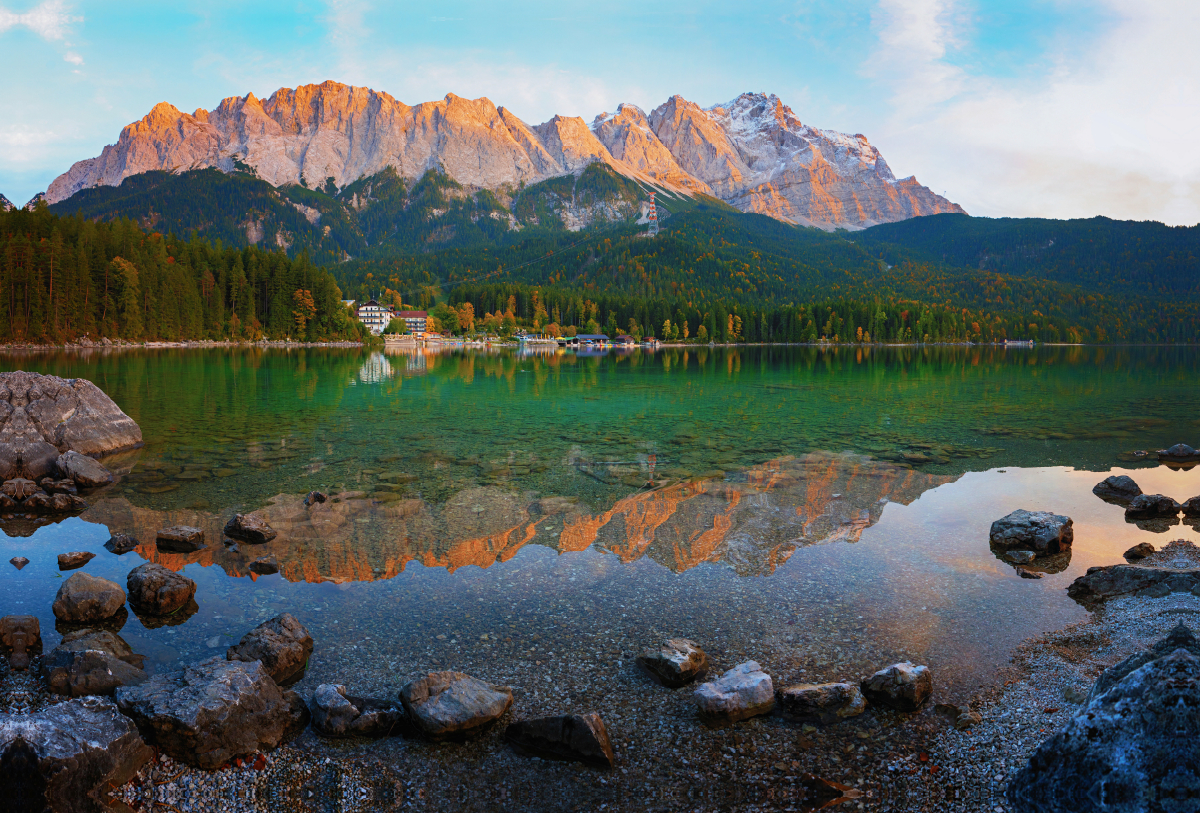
(1104, 582)
(573, 737)
(156, 590)
(901, 686)
(21, 638)
(1119, 488)
(337, 714)
(1043, 532)
(84, 471)
(823, 703)
(1134, 746)
(676, 663)
(1152, 506)
(282, 644)
(180, 539)
(84, 598)
(450, 704)
(210, 712)
(121, 544)
(250, 528)
(743, 692)
(67, 756)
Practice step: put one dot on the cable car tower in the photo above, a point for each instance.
(653, 217)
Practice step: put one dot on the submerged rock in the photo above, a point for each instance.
(1152, 506)
(84, 598)
(250, 528)
(121, 543)
(824, 703)
(91, 662)
(1139, 551)
(180, 539)
(18, 562)
(1020, 557)
(676, 663)
(314, 497)
(1028, 573)
(574, 737)
(282, 644)
(84, 471)
(337, 714)
(210, 712)
(66, 757)
(902, 686)
(74, 559)
(1043, 532)
(155, 590)
(1133, 747)
(1119, 488)
(21, 637)
(451, 704)
(264, 566)
(743, 692)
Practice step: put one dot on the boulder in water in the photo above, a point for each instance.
(180, 539)
(74, 559)
(1179, 452)
(450, 704)
(676, 663)
(1151, 506)
(1042, 532)
(155, 590)
(282, 644)
(824, 703)
(743, 692)
(84, 471)
(337, 714)
(1139, 551)
(902, 686)
(122, 544)
(250, 528)
(1119, 488)
(84, 598)
(573, 737)
(91, 661)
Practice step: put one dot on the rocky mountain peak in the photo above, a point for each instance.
(5, 204)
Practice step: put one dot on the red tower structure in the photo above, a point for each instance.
(653, 217)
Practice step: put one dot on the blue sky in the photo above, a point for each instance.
(1056, 109)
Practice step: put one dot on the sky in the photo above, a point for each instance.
(1061, 108)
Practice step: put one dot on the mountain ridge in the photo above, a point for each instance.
(753, 152)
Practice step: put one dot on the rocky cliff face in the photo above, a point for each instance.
(752, 152)
(5, 204)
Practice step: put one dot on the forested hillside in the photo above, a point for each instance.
(68, 277)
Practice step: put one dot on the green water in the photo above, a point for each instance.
(458, 477)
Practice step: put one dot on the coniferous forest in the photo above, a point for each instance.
(63, 278)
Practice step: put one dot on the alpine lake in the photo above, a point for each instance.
(536, 518)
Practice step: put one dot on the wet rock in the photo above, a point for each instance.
(91, 662)
(264, 566)
(282, 644)
(18, 562)
(744, 691)
(573, 737)
(298, 714)
(1020, 557)
(451, 704)
(19, 489)
(250, 528)
(180, 539)
(84, 471)
(1178, 452)
(314, 497)
(74, 559)
(155, 590)
(1028, 573)
(152, 621)
(21, 637)
(902, 686)
(52, 486)
(1179, 638)
(121, 543)
(210, 712)
(337, 714)
(1042, 532)
(66, 757)
(823, 703)
(1152, 506)
(1133, 747)
(84, 598)
(1139, 551)
(676, 663)
(1120, 489)
(967, 720)
(1191, 508)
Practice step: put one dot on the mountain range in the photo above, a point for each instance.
(753, 153)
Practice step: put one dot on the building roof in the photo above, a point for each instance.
(369, 303)
(624, 339)
(411, 314)
(592, 337)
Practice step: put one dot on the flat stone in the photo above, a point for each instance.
(282, 644)
(1152, 506)
(84, 598)
(1139, 551)
(74, 559)
(450, 704)
(744, 691)
(573, 737)
(67, 756)
(156, 590)
(337, 714)
(1119, 488)
(823, 703)
(121, 543)
(264, 566)
(180, 539)
(210, 712)
(676, 663)
(21, 637)
(84, 471)
(902, 686)
(1043, 532)
(18, 562)
(250, 528)
(1100, 583)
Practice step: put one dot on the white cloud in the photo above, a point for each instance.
(1105, 130)
(51, 20)
(73, 58)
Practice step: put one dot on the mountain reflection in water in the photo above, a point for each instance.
(751, 521)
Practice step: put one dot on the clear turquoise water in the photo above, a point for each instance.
(658, 494)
